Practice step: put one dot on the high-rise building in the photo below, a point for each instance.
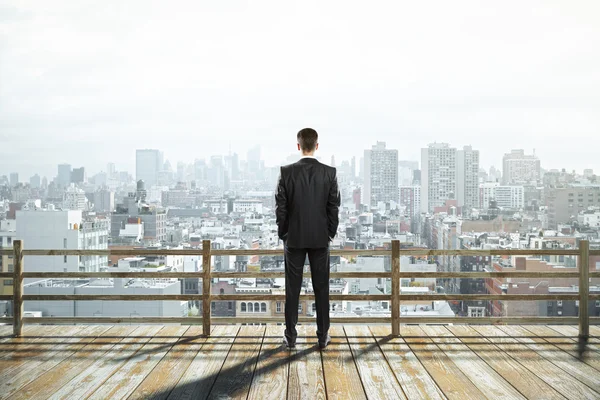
(565, 203)
(438, 175)
(104, 200)
(74, 199)
(111, 170)
(14, 179)
(64, 175)
(235, 167)
(35, 181)
(148, 164)
(78, 175)
(508, 197)
(254, 159)
(381, 175)
(410, 197)
(520, 168)
(50, 230)
(467, 177)
(353, 168)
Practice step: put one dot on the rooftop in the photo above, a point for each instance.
(176, 362)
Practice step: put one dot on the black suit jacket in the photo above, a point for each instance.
(307, 204)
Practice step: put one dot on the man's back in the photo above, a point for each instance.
(307, 204)
(308, 201)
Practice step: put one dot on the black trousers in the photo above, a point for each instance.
(319, 269)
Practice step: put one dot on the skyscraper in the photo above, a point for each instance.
(35, 181)
(380, 174)
(467, 177)
(438, 175)
(14, 179)
(78, 175)
(148, 163)
(519, 168)
(64, 175)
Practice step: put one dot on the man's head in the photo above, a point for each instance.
(308, 141)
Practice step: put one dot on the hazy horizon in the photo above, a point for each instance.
(88, 83)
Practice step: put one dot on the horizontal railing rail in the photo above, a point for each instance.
(395, 297)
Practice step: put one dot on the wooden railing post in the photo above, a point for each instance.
(584, 291)
(395, 287)
(18, 288)
(206, 287)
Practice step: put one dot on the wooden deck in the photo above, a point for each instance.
(175, 362)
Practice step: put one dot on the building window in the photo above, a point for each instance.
(65, 243)
(314, 307)
(300, 308)
(65, 259)
(212, 306)
(230, 305)
(221, 291)
(250, 307)
(263, 307)
(256, 307)
(278, 307)
(8, 282)
(243, 307)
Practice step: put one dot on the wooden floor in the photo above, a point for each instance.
(175, 362)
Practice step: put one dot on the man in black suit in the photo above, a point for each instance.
(307, 204)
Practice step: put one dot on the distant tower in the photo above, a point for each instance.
(380, 175)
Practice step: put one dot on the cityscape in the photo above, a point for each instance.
(445, 201)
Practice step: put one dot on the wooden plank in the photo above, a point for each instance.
(6, 334)
(204, 369)
(95, 374)
(37, 365)
(306, 377)
(206, 292)
(376, 375)
(235, 377)
(568, 345)
(584, 289)
(395, 287)
(442, 369)
(412, 376)
(22, 349)
(525, 381)
(534, 362)
(334, 252)
(252, 274)
(342, 380)
(310, 320)
(46, 384)
(135, 369)
(163, 378)
(573, 333)
(571, 365)
(271, 375)
(18, 288)
(487, 380)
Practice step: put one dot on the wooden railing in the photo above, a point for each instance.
(583, 253)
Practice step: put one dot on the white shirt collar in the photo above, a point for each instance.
(307, 157)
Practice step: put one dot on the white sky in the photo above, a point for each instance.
(88, 82)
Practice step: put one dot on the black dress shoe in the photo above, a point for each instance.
(289, 345)
(323, 344)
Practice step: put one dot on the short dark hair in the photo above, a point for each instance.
(307, 138)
